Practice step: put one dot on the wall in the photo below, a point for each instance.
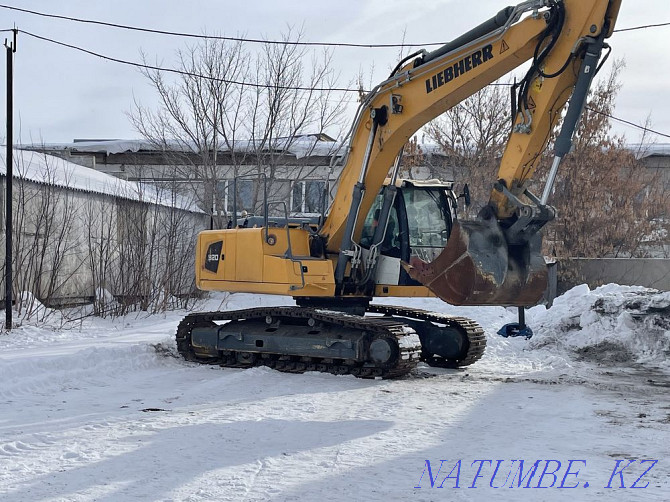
(67, 243)
(651, 273)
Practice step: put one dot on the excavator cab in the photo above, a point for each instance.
(462, 262)
(419, 225)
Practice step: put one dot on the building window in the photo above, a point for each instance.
(306, 197)
(246, 190)
(221, 198)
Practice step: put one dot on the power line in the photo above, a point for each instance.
(190, 74)
(642, 27)
(251, 40)
(257, 85)
(214, 37)
(185, 73)
(627, 122)
(623, 121)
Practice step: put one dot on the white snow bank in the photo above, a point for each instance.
(610, 325)
(30, 306)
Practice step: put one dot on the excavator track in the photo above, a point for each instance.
(398, 326)
(403, 344)
(472, 333)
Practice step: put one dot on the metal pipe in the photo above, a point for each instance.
(550, 180)
(497, 21)
(396, 166)
(563, 142)
(356, 199)
(368, 152)
(9, 188)
(234, 225)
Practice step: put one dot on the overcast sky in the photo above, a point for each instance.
(61, 94)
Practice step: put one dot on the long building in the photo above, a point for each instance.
(80, 236)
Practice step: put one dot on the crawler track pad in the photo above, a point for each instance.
(477, 267)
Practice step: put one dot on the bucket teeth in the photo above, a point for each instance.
(477, 267)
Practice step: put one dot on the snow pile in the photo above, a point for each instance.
(29, 309)
(103, 295)
(610, 325)
(31, 306)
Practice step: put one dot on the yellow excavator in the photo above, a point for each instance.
(385, 236)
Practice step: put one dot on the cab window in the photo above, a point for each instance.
(428, 222)
(390, 245)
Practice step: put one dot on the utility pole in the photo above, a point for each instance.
(9, 158)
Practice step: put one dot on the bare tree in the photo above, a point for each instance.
(183, 126)
(99, 221)
(413, 159)
(213, 109)
(609, 204)
(140, 249)
(472, 136)
(46, 256)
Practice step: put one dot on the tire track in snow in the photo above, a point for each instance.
(14, 448)
(40, 376)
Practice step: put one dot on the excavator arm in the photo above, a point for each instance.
(496, 259)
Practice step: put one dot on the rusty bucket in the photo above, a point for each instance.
(478, 267)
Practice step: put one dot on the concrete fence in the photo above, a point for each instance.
(648, 272)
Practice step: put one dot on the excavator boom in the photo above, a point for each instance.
(495, 260)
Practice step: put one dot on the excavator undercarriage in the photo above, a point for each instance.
(388, 342)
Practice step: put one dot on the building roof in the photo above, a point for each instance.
(50, 170)
(645, 150)
(304, 145)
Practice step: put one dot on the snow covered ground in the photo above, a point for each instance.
(103, 411)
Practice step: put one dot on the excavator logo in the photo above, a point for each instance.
(459, 68)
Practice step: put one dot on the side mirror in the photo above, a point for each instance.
(466, 194)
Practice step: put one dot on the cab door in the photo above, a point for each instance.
(418, 228)
(427, 218)
(391, 252)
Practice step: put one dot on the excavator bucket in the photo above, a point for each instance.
(478, 267)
